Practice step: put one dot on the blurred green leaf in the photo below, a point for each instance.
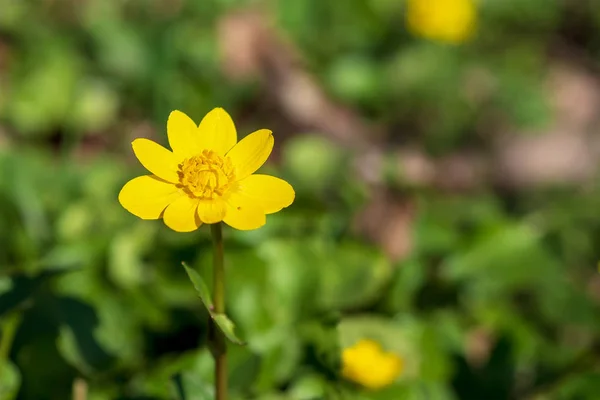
(187, 376)
(96, 108)
(353, 275)
(10, 380)
(497, 259)
(77, 341)
(357, 79)
(313, 161)
(308, 387)
(324, 344)
(43, 100)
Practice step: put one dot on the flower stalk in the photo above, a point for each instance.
(80, 389)
(216, 337)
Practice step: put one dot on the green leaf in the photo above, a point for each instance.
(310, 386)
(77, 341)
(185, 376)
(200, 287)
(222, 321)
(313, 162)
(10, 380)
(227, 327)
(323, 343)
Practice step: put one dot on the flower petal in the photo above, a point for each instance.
(183, 134)
(147, 196)
(243, 214)
(156, 159)
(270, 193)
(181, 215)
(251, 152)
(211, 211)
(217, 132)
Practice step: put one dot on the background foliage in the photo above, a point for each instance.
(469, 246)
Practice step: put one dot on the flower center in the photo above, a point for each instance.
(206, 175)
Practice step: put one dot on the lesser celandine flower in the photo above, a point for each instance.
(451, 21)
(208, 177)
(367, 364)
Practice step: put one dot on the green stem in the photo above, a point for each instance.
(80, 389)
(216, 337)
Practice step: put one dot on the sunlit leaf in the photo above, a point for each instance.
(200, 287)
(222, 321)
(227, 327)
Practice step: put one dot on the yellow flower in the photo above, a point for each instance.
(450, 21)
(207, 178)
(367, 364)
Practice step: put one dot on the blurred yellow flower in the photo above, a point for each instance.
(451, 21)
(207, 178)
(367, 364)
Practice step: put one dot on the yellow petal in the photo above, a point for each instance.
(217, 132)
(243, 214)
(156, 159)
(147, 196)
(181, 215)
(183, 134)
(270, 193)
(211, 211)
(251, 152)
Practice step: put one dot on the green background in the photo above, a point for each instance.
(447, 199)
